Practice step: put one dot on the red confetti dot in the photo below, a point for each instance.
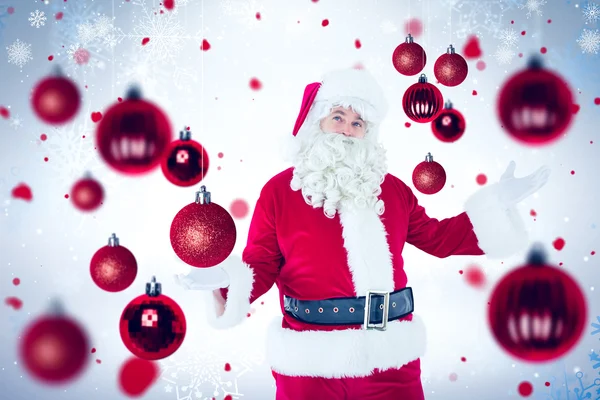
(453, 377)
(66, 196)
(227, 367)
(4, 112)
(597, 101)
(218, 168)
(137, 375)
(205, 46)
(325, 22)
(572, 172)
(512, 22)
(119, 99)
(520, 55)
(11, 10)
(46, 159)
(463, 359)
(525, 389)
(14, 302)
(16, 281)
(475, 277)
(593, 252)
(50, 57)
(255, 84)
(480, 65)
(314, 1)
(169, 4)
(228, 397)
(220, 155)
(471, 49)
(575, 108)
(23, 192)
(248, 315)
(481, 179)
(145, 41)
(559, 243)
(560, 264)
(93, 350)
(58, 16)
(532, 213)
(474, 93)
(549, 21)
(357, 44)
(547, 383)
(96, 116)
(460, 271)
(239, 208)
(413, 26)
(258, 16)
(523, 33)
(98, 361)
(407, 124)
(543, 50)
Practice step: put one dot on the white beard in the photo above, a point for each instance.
(334, 172)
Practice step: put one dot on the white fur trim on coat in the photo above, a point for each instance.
(345, 353)
(237, 305)
(500, 230)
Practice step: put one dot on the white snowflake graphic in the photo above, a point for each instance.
(244, 10)
(477, 17)
(37, 18)
(19, 53)
(589, 41)
(504, 54)
(388, 27)
(591, 13)
(533, 6)
(509, 37)
(16, 122)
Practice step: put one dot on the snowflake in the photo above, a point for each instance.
(86, 33)
(596, 326)
(504, 54)
(74, 15)
(589, 41)
(591, 13)
(479, 17)
(16, 122)
(244, 10)
(533, 6)
(388, 27)
(37, 18)
(19, 53)
(509, 37)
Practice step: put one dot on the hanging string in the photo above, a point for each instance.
(202, 88)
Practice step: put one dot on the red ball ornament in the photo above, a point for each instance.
(87, 194)
(133, 135)
(54, 348)
(450, 69)
(186, 161)
(429, 177)
(55, 99)
(409, 58)
(535, 105)
(422, 102)
(152, 325)
(113, 268)
(537, 312)
(203, 233)
(449, 125)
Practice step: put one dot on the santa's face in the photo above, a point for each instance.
(344, 121)
(335, 169)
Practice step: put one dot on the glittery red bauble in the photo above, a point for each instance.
(55, 100)
(87, 194)
(422, 102)
(203, 235)
(185, 162)
(429, 177)
(113, 268)
(133, 135)
(54, 349)
(409, 58)
(450, 68)
(534, 105)
(152, 325)
(449, 125)
(537, 312)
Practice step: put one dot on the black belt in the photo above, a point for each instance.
(351, 310)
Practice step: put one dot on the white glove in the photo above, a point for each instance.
(513, 190)
(203, 279)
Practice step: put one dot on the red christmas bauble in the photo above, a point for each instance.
(537, 312)
(54, 349)
(55, 100)
(203, 233)
(185, 162)
(429, 177)
(133, 135)
(113, 268)
(450, 68)
(449, 125)
(422, 102)
(87, 194)
(535, 105)
(152, 325)
(409, 58)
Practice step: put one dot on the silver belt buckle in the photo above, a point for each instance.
(386, 310)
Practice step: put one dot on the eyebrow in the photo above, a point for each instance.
(344, 114)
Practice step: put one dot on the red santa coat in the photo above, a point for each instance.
(311, 257)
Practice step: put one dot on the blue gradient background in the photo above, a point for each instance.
(48, 244)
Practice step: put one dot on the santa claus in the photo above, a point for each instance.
(330, 231)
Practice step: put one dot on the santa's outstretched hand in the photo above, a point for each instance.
(514, 190)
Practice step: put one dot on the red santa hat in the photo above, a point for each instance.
(350, 88)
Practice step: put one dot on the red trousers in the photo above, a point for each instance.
(392, 384)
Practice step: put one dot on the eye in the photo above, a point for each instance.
(338, 118)
(358, 124)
